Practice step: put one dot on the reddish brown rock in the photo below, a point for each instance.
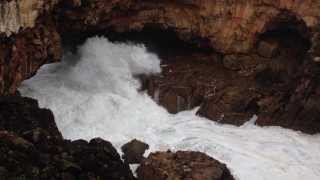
(22, 55)
(299, 112)
(235, 106)
(182, 165)
(260, 68)
(257, 70)
(186, 81)
(229, 27)
(236, 87)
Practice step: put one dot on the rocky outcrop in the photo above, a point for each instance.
(182, 165)
(228, 27)
(279, 85)
(237, 59)
(31, 147)
(28, 40)
(19, 115)
(21, 55)
(253, 73)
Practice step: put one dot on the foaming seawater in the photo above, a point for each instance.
(95, 94)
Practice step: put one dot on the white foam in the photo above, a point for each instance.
(94, 94)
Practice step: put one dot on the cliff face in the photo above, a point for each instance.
(227, 26)
(28, 40)
(270, 48)
(16, 14)
(230, 27)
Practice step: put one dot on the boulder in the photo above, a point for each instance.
(134, 151)
(182, 165)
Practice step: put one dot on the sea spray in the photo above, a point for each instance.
(94, 94)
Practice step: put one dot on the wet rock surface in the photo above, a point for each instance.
(279, 85)
(256, 71)
(133, 151)
(31, 147)
(202, 80)
(182, 165)
(261, 54)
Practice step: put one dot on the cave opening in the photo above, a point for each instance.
(93, 99)
(96, 98)
(290, 34)
(164, 42)
(285, 42)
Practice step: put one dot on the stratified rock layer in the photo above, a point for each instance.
(182, 165)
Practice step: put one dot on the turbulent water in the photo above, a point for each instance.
(94, 94)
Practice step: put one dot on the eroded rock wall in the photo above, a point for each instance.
(28, 40)
(227, 26)
(21, 14)
(230, 27)
(242, 32)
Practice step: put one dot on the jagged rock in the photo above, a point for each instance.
(186, 81)
(182, 165)
(228, 27)
(31, 33)
(282, 92)
(23, 54)
(223, 95)
(21, 115)
(301, 109)
(31, 147)
(234, 107)
(233, 93)
(134, 151)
